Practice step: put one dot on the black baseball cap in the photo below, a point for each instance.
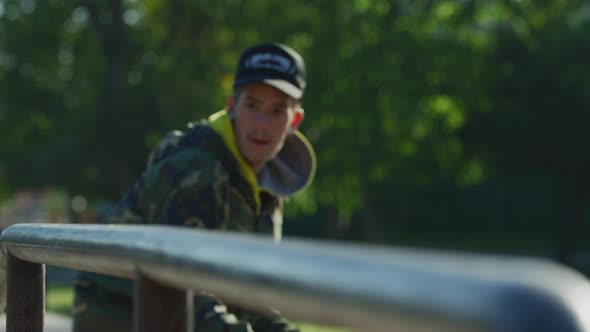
(274, 64)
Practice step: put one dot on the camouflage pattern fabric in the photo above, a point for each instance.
(192, 179)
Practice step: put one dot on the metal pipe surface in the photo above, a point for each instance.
(370, 288)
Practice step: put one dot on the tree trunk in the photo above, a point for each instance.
(109, 25)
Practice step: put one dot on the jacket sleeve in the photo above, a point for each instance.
(212, 315)
(192, 189)
(188, 189)
(269, 320)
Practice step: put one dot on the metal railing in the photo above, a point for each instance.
(366, 288)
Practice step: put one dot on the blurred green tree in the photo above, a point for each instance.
(403, 97)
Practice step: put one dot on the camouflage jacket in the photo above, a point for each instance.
(198, 178)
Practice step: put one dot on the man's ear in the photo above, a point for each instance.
(297, 119)
(229, 104)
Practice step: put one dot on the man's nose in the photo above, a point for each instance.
(261, 119)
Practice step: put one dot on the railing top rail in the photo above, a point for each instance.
(372, 288)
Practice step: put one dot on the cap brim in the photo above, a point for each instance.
(286, 87)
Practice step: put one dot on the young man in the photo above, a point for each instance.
(229, 172)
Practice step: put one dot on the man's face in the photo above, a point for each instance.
(262, 116)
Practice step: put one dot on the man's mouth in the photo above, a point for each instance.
(258, 141)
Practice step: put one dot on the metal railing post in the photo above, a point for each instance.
(158, 307)
(25, 307)
(366, 288)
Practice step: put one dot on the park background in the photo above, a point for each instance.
(458, 125)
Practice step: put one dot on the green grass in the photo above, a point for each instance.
(59, 299)
(305, 327)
